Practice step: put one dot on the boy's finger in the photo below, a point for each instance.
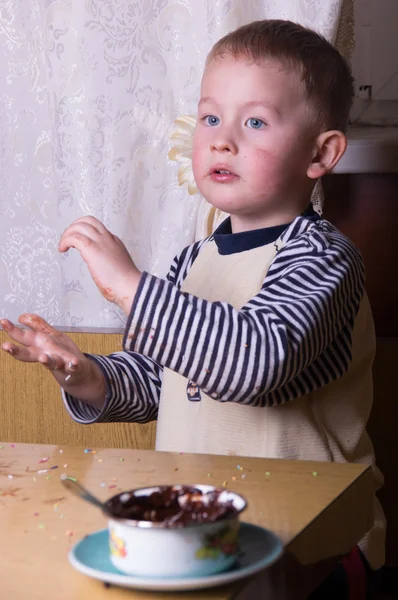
(6, 324)
(93, 222)
(76, 240)
(87, 226)
(16, 333)
(51, 361)
(20, 352)
(38, 325)
(7, 347)
(72, 365)
(55, 362)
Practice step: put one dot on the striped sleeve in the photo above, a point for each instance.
(133, 385)
(133, 381)
(291, 338)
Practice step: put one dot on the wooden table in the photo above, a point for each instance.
(320, 510)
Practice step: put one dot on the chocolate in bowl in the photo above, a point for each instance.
(174, 530)
(172, 506)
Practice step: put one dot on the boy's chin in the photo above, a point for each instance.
(227, 204)
(237, 209)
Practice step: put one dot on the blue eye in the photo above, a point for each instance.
(254, 123)
(211, 120)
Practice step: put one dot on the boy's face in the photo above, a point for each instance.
(253, 123)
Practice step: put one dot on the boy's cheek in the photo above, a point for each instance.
(264, 160)
(267, 169)
(274, 159)
(198, 141)
(264, 154)
(197, 159)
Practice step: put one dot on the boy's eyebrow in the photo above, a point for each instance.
(265, 104)
(253, 103)
(206, 99)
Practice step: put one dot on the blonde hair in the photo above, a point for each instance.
(325, 74)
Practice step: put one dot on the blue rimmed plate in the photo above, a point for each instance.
(259, 548)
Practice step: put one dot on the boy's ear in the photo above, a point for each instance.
(328, 149)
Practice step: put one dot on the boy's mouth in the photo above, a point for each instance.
(221, 170)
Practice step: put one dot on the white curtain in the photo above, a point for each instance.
(89, 90)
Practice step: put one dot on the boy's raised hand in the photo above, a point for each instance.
(43, 344)
(53, 349)
(108, 260)
(117, 278)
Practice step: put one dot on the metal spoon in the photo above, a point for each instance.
(71, 485)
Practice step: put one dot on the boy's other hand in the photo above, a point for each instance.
(107, 258)
(41, 343)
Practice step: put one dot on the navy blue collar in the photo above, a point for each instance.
(231, 243)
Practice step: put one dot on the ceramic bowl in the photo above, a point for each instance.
(154, 549)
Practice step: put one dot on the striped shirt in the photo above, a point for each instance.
(292, 337)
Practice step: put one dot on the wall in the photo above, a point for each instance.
(364, 207)
(32, 410)
(375, 61)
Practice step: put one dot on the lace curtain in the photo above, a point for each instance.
(89, 90)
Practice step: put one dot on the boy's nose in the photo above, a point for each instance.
(224, 144)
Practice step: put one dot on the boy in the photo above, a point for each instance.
(260, 341)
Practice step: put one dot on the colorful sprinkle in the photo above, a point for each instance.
(102, 484)
(121, 459)
(87, 450)
(1, 447)
(41, 471)
(315, 474)
(243, 476)
(111, 487)
(267, 473)
(100, 460)
(12, 445)
(10, 476)
(65, 466)
(44, 459)
(61, 451)
(208, 474)
(36, 514)
(225, 483)
(234, 478)
(42, 526)
(69, 533)
(48, 477)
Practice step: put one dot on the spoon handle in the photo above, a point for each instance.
(72, 486)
